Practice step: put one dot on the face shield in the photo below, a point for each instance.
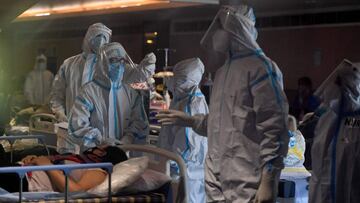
(345, 77)
(115, 60)
(231, 23)
(97, 42)
(169, 83)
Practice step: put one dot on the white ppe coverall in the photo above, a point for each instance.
(183, 140)
(108, 111)
(38, 83)
(336, 148)
(78, 70)
(247, 124)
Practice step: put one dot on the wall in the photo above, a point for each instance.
(293, 49)
(27, 50)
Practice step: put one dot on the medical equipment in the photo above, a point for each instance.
(44, 124)
(11, 140)
(166, 71)
(30, 122)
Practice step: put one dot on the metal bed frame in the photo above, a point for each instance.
(11, 139)
(21, 171)
(163, 165)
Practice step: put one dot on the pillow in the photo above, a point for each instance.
(124, 174)
(150, 180)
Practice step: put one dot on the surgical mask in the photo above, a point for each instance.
(183, 87)
(97, 42)
(116, 71)
(221, 41)
(42, 66)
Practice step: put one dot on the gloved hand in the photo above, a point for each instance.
(267, 191)
(155, 95)
(93, 138)
(174, 117)
(60, 116)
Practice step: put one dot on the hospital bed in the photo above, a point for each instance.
(44, 124)
(175, 191)
(36, 124)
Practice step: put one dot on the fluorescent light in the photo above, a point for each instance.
(42, 14)
(87, 7)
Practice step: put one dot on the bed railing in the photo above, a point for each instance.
(22, 170)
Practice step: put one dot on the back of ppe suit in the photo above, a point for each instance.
(38, 83)
(247, 124)
(182, 140)
(108, 111)
(336, 148)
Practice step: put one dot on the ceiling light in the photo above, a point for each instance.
(76, 7)
(149, 41)
(41, 10)
(42, 14)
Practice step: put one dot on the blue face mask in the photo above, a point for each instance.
(116, 71)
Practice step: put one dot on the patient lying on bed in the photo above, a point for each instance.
(79, 180)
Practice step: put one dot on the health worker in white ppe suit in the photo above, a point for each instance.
(107, 111)
(38, 83)
(183, 140)
(247, 124)
(78, 70)
(336, 148)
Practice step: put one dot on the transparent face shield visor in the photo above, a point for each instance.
(227, 24)
(346, 76)
(115, 57)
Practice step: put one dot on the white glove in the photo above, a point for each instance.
(60, 116)
(267, 191)
(155, 95)
(174, 117)
(93, 138)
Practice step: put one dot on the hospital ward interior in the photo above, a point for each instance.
(180, 101)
